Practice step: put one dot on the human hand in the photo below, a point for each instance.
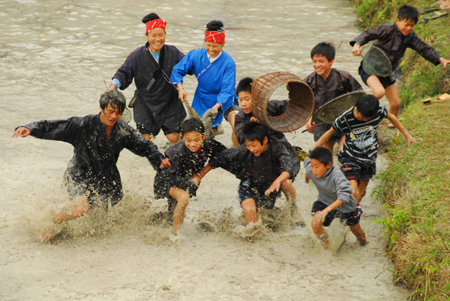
(274, 187)
(182, 95)
(444, 61)
(21, 132)
(356, 50)
(320, 216)
(410, 140)
(111, 88)
(165, 163)
(253, 119)
(310, 126)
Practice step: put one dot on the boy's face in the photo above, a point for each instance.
(245, 101)
(405, 26)
(359, 116)
(256, 147)
(322, 65)
(318, 168)
(193, 140)
(213, 49)
(110, 115)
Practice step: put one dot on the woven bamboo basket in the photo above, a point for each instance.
(301, 101)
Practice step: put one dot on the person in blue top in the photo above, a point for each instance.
(216, 74)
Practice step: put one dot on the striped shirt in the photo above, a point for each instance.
(361, 137)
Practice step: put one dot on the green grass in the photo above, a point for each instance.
(416, 186)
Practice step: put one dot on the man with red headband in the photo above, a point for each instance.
(216, 74)
(155, 103)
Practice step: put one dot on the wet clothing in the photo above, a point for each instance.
(333, 185)
(216, 81)
(338, 83)
(92, 169)
(385, 81)
(157, 105)
(184, 164)
(257, 193)
(353, 170)
(349, 219)
(274, 108)
(361, 137)
(258, 171)
(394, 43)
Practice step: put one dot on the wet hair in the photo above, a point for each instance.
(255, 131)
(244, 84)
(408, 12)
(322, 154)
(150, 17)
(215, 26)
(325, 49)
(192, 125)
(367, 105)
(115, 98)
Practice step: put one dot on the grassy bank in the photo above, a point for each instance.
(416, 186)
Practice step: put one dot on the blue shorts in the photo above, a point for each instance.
(248, 191)
(349, 219)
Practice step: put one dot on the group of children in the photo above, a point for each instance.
(264, 161)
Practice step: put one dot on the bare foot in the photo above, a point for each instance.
(47, 235)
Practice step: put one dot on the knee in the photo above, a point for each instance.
(183, 200)
(249, 206)
(379, 93)
(316, 225)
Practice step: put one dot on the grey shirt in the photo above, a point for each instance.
(333, 185)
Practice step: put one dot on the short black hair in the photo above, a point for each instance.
(324, 48)
(408, 12)
(322, 154)
(367, 105)
(244, 84)
(192, 125)
(214, 25)
(150, 17)
(255, 131)
(115, 98)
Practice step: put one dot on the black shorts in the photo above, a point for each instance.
(230, 109)
(94, 197)
(248, 191)
(171, 125)
(164, 181)
(349, 219)
(385, 81)
(352, 169)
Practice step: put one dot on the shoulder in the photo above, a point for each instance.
(341, 72)
(226, 57)
(176, 149)
(137, 51)
(172, 49)
(310, 77)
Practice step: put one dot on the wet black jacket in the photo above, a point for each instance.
(261, 170)
(95, 156)
(394, 43)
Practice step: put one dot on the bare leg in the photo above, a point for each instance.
(394, 99)
(291, 197)
(341, 143)
(355, 190)
(231, 118)
(362, 190)
(359, 233)
(319, 231)
(173, 137)
(79, 208)
(374, 83)
(250, 212)
(182, 198)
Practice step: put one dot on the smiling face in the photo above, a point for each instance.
(318, 168)
(110, 115)
(405, 26)
(322, 65)
(246, 101)
(193, 140)
(213, 49)
(256, 147)
(156, 38)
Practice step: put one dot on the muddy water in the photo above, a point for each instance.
(54, 59)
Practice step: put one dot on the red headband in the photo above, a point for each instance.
(214, 36)
(157, 23)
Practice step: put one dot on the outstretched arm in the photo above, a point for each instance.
(444, 61)
(199, 176)
(409, 139)
(21, 132)
(324, 138)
